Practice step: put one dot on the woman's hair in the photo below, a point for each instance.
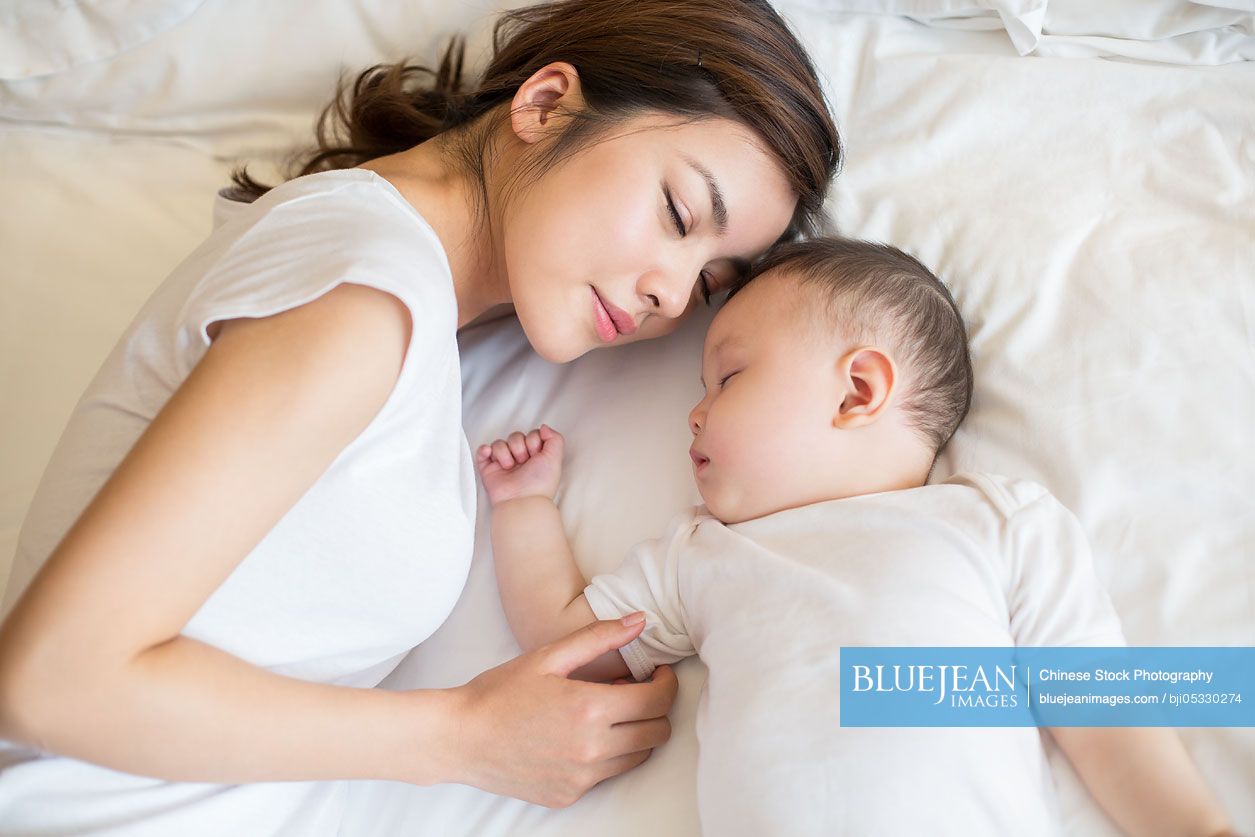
(688, 58)
(874, 293)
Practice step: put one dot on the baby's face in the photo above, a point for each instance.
(772, 395)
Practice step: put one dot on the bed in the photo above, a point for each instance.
(1081, 175)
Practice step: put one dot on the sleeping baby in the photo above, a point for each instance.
(833, 376)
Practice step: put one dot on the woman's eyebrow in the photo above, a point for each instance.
(717, 204)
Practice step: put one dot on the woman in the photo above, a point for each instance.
(265, 498)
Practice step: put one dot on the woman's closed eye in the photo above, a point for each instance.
(680, 228)
(725, 378)
(683, 232)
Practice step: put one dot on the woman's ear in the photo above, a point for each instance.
(866, 380)
(553, 86)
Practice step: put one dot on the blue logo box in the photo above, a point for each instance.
(1048, 687)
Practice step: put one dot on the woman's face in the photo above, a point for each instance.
(637, 222)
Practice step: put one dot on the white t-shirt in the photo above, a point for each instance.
(366, 565)
(977, 560)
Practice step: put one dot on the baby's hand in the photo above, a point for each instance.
(521, 465)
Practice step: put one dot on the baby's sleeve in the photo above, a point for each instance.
(649, 580)
(1055, 597)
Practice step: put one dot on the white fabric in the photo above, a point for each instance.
(976, 560)
(1022, 19)
(38, 37)
(361, 569)
(1093, 216)
(233, 81)
(1144, 20)
(1174, 31)
(1203, 32)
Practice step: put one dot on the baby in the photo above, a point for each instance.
(834, 375)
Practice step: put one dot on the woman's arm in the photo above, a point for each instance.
(91, 661)
(1144, 779)
(92, 664)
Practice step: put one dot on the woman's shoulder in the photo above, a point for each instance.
(336, 224)
(338, 203)
(312, 233)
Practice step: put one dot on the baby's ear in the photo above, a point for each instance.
(867, 379)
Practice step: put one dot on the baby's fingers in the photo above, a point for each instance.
(551, 438)
(518, 446)
(533, 442)
(501, 452)
(486, 457)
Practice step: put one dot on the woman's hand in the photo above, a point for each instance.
(527, 731)
(522, 465)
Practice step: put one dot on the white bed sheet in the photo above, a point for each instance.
(1095, 219)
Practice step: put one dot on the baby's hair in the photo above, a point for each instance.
(875, 293)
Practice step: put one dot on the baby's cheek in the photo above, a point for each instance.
(787, 450)
(755, 463)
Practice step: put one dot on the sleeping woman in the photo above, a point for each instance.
(264, 499)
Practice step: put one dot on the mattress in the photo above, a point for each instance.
(1093, 213)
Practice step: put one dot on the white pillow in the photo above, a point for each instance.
(38, 37)
(1143, 20)
(1204, 32)
(1022, 19)
(240, 79)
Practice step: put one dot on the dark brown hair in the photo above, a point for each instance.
(875, 293)
(688, 58)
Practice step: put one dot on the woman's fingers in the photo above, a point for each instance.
(621, 764)
(648, 699)
(635, 736)
(527, 733)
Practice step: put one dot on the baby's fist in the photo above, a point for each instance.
(521, 465)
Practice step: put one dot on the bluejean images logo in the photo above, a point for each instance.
(965, 686)
(1033, 686)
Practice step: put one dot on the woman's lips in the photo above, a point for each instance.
(610, 320)
(623, 321)
(601, 320)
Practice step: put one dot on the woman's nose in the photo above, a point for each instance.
(666, 292)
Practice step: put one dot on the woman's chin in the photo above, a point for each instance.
(555, 348)
(560, 351)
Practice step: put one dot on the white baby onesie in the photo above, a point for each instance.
(977, 560)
